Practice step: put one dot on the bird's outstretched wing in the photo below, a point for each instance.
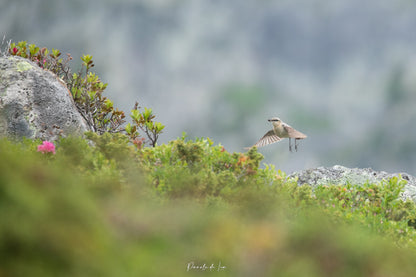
(269, 138)
(293, 133)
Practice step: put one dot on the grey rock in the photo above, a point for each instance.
(341, 175)
(35, 103)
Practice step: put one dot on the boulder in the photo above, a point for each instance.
(341, 175)
(35, 103)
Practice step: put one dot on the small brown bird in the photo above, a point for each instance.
(280, 131)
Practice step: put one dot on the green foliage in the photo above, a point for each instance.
(106, 208)
(108, 159)
(377, 206)
(112, 146)
(203, 172)
(87, 90)
(49, 224)
(49, 60)
(143, 121)
(198, 169)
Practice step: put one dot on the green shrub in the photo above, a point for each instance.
(49, 224)
(87, 91)
(198, 169)
(88, 211)
(377, 206)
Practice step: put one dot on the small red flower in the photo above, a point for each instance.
(15, 50)
(46, 147)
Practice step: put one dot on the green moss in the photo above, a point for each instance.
(23, 66)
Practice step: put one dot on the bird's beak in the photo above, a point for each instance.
(269, 120)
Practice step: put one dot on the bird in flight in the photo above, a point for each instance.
(280, 131)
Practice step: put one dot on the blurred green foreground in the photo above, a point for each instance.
(187, 209)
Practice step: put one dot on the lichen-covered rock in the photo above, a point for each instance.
(34, 103)
(342, 175)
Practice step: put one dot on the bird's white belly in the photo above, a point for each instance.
(281, 132)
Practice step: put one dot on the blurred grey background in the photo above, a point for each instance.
(343, 72)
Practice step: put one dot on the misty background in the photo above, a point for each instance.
(342, 72)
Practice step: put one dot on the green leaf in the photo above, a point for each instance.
(55, 53)
(76, 93)
(128, 128)
(159, 127)
(33, 49)
(91, 94)
(108, 103)
(101, 86)
(91, 78)
(86, 59)
(149, 125)
(135, 115)
(147, 114)
(22, 44)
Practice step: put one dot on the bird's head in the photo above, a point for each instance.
(275, 121)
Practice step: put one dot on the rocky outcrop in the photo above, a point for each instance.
(35, 103)
(342, 175)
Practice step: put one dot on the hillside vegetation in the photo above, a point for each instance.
(109, 208)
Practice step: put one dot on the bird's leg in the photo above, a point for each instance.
(290, 145)
(296, 145)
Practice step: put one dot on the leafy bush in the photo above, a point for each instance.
(87, 90)
(88, 211)
(377, 206)
(210, 170)
(49, 224)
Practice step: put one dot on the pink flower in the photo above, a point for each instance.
(46, 147)
(15, 50)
